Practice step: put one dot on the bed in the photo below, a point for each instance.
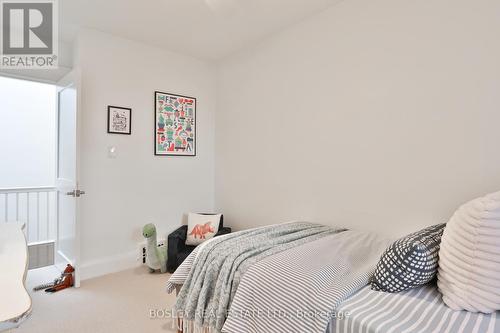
(310, 284)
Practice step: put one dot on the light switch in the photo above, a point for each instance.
(112, 152)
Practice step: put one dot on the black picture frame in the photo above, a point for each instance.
(195, 125)
(129, 110)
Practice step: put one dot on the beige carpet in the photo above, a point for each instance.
(119, 302)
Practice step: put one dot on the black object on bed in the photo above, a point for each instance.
(410, 262)
(177, 248)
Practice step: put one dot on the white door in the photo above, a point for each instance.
(68, 190)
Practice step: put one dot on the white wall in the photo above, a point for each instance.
(27, 133)
(137, 187)
(382, 115)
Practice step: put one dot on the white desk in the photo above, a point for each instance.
(15, 302)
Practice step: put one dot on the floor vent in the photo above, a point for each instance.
(41, 254)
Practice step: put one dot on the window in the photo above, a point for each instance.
(27, 133)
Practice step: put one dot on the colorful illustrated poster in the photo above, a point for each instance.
(175, 124)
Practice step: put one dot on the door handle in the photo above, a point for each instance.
(75, 193)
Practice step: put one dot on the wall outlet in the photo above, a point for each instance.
(142, 250)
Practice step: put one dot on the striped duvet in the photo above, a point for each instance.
(419, 310)
(298, 290)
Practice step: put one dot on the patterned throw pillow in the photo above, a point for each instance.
(201, 227)
(410, 262)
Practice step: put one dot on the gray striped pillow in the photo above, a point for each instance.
(410, 262)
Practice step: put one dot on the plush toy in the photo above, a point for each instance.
(64, 281)
(156, 257)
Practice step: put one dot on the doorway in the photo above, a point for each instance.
(27, 171)
(38, 173)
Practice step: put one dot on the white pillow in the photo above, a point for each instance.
(469, 258)
(201, 227)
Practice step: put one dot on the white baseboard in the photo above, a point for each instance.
(107, 265)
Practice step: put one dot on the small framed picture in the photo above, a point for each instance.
(119, 120)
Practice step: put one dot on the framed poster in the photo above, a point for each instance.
(175, 125)
(119, 120)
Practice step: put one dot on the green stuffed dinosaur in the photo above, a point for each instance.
(156, 257)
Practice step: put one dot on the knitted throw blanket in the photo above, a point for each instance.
(203, 302)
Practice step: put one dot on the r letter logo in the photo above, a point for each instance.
(29, 34)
